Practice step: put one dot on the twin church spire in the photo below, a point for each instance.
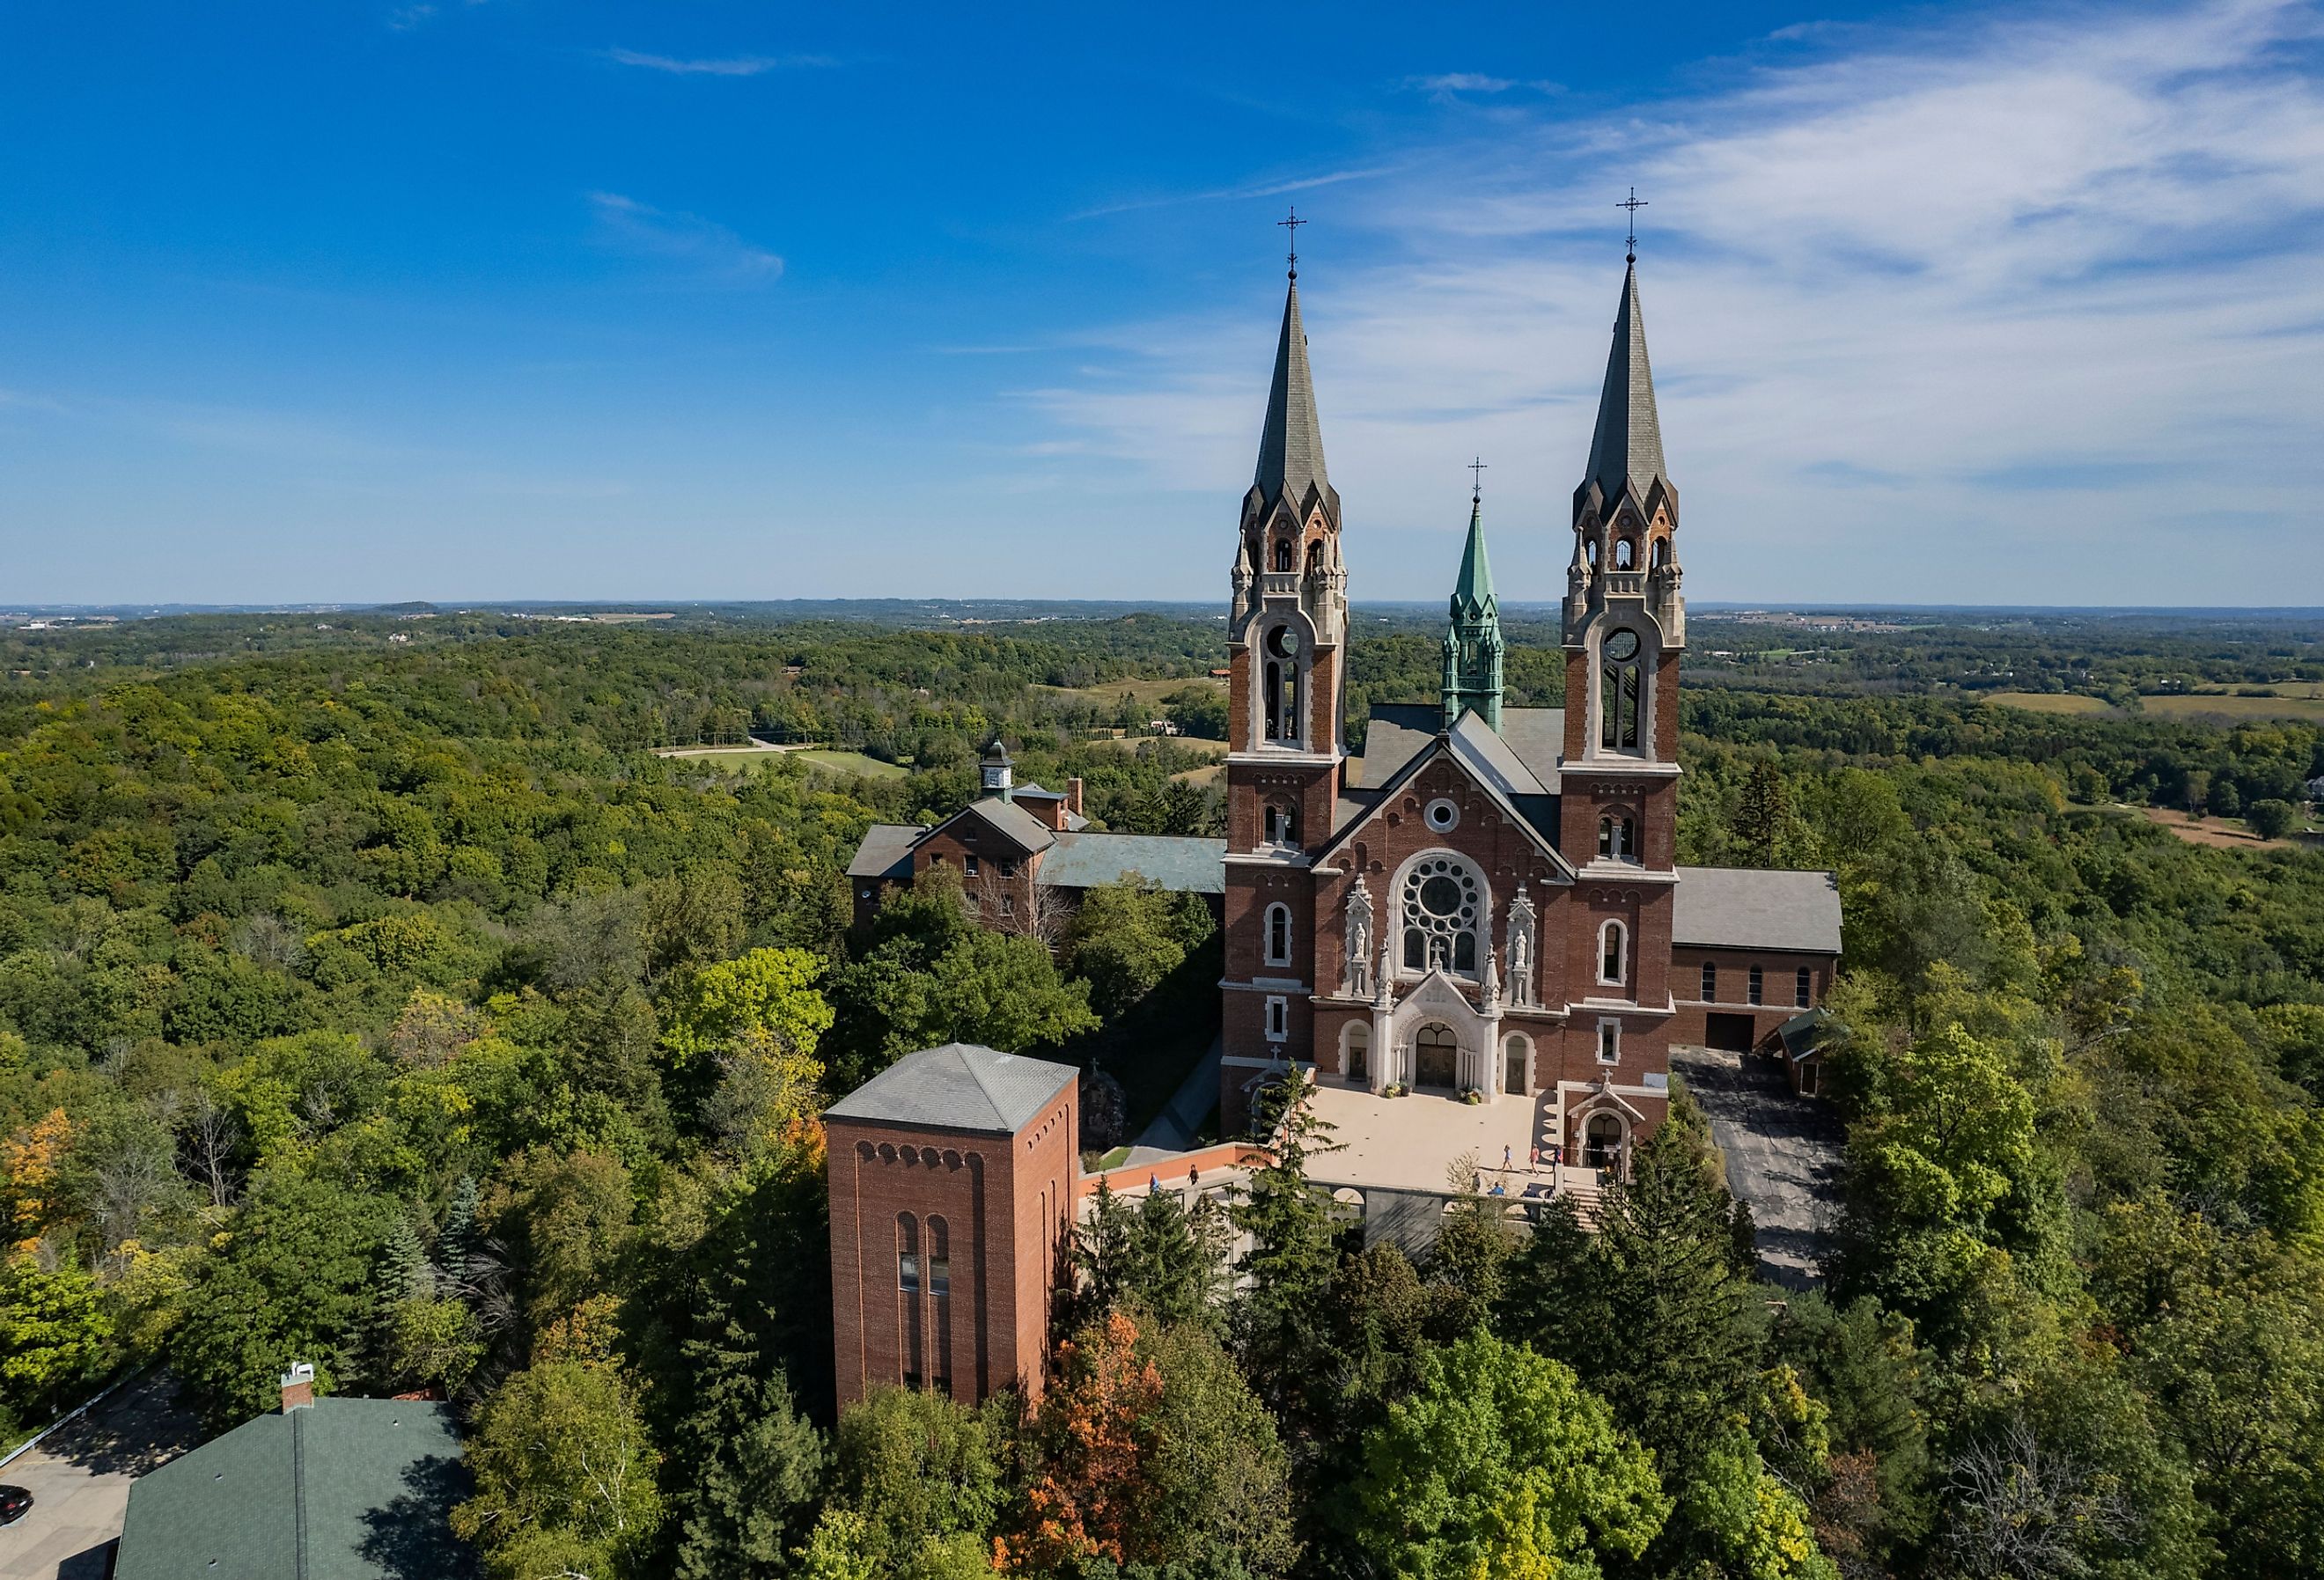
(1624, 509)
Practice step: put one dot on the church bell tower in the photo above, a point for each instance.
(1473, 649)
(1624, 630)
(1287, 634)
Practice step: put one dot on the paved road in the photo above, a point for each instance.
(1783, 1155)
(80, 1480)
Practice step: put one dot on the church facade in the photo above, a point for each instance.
(1488, 902)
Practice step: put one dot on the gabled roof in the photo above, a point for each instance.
(886, 851)
(1627, 446)
(961, 1085)
(1173, 862)
(1291, 444)
(1490, 765)
(1400, 731)
(348, 1487)
(1008, 819)
(1742, 907)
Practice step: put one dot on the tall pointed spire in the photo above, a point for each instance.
(1473, 595)
(1627, 446)
(1291, 445)
(1472, 634)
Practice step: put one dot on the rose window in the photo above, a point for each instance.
(1442, 898)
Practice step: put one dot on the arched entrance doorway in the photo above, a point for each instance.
(1357, 1065)
(1435, 1056)
(1604, 1147)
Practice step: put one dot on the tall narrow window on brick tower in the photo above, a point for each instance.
(1618, 692)
(907, 1297)
(1802, 986)
(1283, 684)
(939, 1282)
(1278, 934)
(1758, 981)
(1710, 983)
(1612, 947)
(1618, 838)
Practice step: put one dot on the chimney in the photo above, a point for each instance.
(1073, 795)
(298, 1387)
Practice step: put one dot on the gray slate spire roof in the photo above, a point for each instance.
(1291, 445)
(1628, 442)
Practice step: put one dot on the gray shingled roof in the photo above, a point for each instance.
(1628, 440)
(1490, 764)
(1175, 862)
(961, 1085)
(345, 1489)
(1291, 444)
(1011, 821)
(1740, 908)
(1400, 731)
(886, 851)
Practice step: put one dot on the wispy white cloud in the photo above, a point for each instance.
(1918, 305)
(718, 66)
(1448, 82)
(703, 246)
(1272, 187)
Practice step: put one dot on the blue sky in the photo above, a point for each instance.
(502, 299)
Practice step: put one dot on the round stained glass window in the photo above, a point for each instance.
(1623, 646)
(1442, 901)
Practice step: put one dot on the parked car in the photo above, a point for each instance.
(15, 1502)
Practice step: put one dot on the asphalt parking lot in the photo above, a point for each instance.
(79, 1478)
(1783, 1155)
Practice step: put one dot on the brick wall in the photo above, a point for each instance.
(1780, 980)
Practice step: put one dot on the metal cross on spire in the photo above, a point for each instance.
(1633, 205)
(1292, 225)
(1477, 476)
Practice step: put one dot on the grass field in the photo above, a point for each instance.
(2221, 833)
(1147, 693)
(2048, 701)
(2308, 709)
(852, 763)
(2298, 701)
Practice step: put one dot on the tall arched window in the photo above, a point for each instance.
(1283, 685)
(1279, 823)
(938, 1277)
(1613, 953)
(1618, 691)
(1278, 934)
(1590, 552)
(1626, 553)
(1283, 554)
(1661, 555)
(1442, 901)
(910, 1280)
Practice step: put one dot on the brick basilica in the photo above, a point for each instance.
(1489, 901)
(1474, 940)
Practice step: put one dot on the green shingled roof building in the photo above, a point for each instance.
(343, 1489)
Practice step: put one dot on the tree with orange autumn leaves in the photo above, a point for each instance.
(1150, 1448)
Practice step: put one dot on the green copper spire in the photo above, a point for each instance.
(1473, 636)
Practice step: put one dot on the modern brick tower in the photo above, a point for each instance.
(1286, 638)
(952, 1177)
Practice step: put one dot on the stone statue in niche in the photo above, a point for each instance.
(1521, 951)
(1356, 967)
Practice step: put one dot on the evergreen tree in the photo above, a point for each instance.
(1663, 1259)
(1286, 1272)
(752, 1467)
